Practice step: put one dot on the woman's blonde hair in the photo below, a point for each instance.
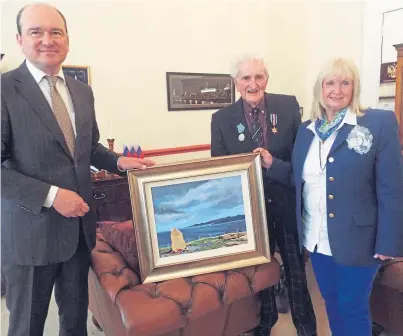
(337, 67)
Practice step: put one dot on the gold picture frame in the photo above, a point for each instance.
(199, 216)
(81, 73)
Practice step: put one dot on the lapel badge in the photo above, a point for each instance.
(241, 128)
(273, 120)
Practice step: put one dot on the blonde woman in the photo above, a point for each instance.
(347, 168)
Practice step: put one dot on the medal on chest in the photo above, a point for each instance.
(241, 128)
(273, 121)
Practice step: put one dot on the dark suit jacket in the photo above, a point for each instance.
(367, 190)
(224, 141)
(34, 156)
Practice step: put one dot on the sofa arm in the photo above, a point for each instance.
(387, 297)
(156, 308)
(391, 274)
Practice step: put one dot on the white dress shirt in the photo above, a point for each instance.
(65, 94)
(314, 212)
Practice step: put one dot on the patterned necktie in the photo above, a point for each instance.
(257, 130)
(61, 114)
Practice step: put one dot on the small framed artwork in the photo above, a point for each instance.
(199, 216)
(388, 72)
(199, 91)
(78, 72)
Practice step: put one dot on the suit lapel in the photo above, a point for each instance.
(341, 136)
(271, 108)
(78, 112)
(31, 91)
(238, 117)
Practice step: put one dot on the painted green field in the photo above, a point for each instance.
(206, 244)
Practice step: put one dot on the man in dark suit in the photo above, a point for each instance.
(49, 139)
(268, 123)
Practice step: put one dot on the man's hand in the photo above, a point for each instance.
(125, 163)
(382, 257)
(70, 204)
(267, 159)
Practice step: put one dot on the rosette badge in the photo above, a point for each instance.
(360, 139)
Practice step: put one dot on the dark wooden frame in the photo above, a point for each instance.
(399, 91)
(197, 106)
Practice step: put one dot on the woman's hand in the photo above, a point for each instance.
(267, 158)
(382, 257)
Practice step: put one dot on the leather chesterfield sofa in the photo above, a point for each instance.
(216, 304)
(387, 298)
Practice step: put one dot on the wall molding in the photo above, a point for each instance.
(175, 150)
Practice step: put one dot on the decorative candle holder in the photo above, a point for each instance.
(111, 143)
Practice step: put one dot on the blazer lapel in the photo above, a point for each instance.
(78, 112)
(237, 118)
(30, 90)
(341, 136)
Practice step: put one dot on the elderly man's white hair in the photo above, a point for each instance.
(245, 58)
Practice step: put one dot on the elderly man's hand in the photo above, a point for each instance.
(267, 159)
(125, 163)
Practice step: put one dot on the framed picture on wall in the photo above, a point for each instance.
(199, 216)
(388, 72)
(78, 72)
(199, 91)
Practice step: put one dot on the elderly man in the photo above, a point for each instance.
(268, 123)
(49, 139)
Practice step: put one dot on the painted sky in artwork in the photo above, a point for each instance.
(186, 204)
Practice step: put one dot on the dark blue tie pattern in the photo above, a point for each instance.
(257, 129)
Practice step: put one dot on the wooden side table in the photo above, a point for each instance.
(111, 198)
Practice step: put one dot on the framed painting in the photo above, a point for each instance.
(200, 216)
(199, 91)
(78, 72)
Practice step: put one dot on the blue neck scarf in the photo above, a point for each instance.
(325, 129)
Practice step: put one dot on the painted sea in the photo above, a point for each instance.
(198, 232)
(199, 215)
(206, 237)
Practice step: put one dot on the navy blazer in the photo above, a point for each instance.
(367, 189)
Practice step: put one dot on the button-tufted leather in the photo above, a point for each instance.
(160, 308)
(387, 297)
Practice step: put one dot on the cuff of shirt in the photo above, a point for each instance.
(51, 196)
(117, 164)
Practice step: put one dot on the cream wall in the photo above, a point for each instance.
(334, 30)
(371, 47)
(131, 44)
(390, 37)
